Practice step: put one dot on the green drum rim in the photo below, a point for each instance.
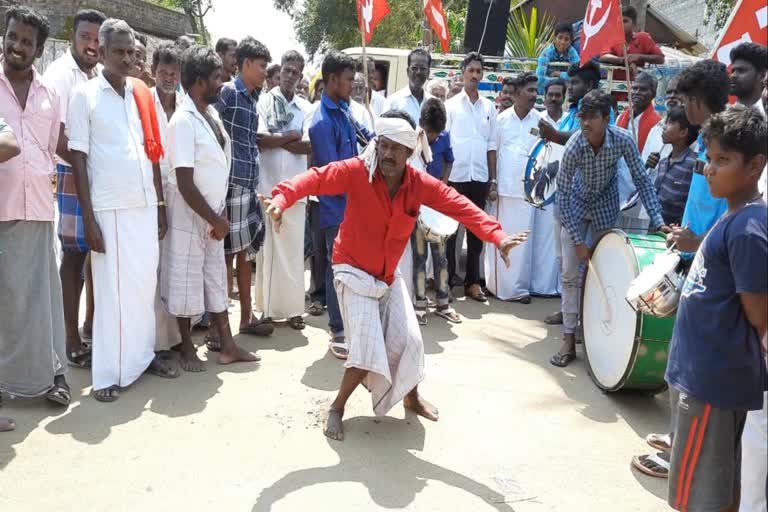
(645, 349)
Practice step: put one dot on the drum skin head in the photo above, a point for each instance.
(610, 324)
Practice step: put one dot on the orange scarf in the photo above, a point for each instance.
(145, 102)
(647, 122)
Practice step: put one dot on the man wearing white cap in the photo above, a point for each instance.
(384, 194)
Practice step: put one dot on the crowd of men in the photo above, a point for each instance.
(175, 183)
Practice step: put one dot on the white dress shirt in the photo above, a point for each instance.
(514, 142)
(405, 100)
(378, 102)
(107, 128)
(473, 135)
(192, 143)
(63, 75)
(163, 121)
(278, 164)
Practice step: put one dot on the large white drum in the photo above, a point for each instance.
(437, 227)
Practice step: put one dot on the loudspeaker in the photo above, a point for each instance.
(491, 17)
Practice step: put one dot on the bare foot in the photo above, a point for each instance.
(188, 359)
(417, 404)
(334, 427)
(236, 355)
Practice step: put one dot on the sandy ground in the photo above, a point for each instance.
(515, 434)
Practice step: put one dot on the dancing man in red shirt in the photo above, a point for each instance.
(384, 194)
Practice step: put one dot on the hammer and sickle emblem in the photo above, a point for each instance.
(439, 20)
(367, 10)
(590, 27)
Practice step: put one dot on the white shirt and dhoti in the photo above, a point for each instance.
(107, 128)
(279, 282)
(193, 275)
(511, 209)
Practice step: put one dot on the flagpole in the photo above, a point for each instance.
(368, 90)
(629, 91)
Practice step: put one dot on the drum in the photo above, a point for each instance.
(437, 227)
(541, 172)
(625, 349)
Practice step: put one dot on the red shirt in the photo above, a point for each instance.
(376, 228)
(641, 44)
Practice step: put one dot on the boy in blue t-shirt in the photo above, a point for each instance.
(716, 370)
(433, 120)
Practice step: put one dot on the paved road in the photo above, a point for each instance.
(515, 434)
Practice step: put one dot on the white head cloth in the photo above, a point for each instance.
(396, 130)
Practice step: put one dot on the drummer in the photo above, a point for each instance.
(588, 200)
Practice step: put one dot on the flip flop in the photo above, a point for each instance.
(161, 368)
(474, 292)
(449, 314)
(562, 360)
(106, 395)
(316, 309)
(334, 347)
(59, 394)
(661, 442)
(651, 465)
(257, 328)
(421, 316)
(296, 323)
(80, 358)
(212, 344)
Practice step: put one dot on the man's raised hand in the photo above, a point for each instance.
(509, 242)
(274, 211)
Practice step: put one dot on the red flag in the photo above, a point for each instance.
(436, 16)
(748, 22)
(603, 28)
(369, 14)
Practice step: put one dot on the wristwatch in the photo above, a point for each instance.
(494, 182)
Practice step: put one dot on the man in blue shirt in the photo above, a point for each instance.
(334, 135)
(560, 51)
(588, 200)
(716, 370)
(237, 107)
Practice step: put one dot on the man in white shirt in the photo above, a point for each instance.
(376, 98)
(284, 144)
(411, 98)
(121, 196)
(472, 125)
(554, 96)
(166, 68)
(78, 65)
(194, 275)
(515, 140)
(357, 106)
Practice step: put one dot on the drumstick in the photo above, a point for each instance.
(606, 308)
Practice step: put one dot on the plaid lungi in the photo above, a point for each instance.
(246, 229)
(70, 230)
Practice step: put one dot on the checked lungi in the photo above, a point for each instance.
(383, 334)
(70, 228)
(246, 229)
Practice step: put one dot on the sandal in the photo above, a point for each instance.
(661, 442)
(110, 394)
(258, 328)
(421, 316)
(562, 360)
(59, 393)
(80, 358)
(296, 323)
(339, 348)
(652, 465)
(161, 368)
(475, 292)
(316, 309)
(212, 344)
(448, 313)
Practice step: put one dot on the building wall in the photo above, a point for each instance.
(688, 15)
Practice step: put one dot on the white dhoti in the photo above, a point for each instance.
(193, 270)
(545, 264)
(279, 282)
(383, 334)
(754, 461)
(124, 289)
(511, 283)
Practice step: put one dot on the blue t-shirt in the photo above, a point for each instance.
(701, 209)
(441, 152)
(715, 352)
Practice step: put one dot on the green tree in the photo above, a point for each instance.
(717, 11)
(322, 24)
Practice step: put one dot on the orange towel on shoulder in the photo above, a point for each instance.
(145, 102)
(650, 119)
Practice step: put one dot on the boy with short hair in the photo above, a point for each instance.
(716, 370)
(560, 51)
(674, 173)
(433, 120)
